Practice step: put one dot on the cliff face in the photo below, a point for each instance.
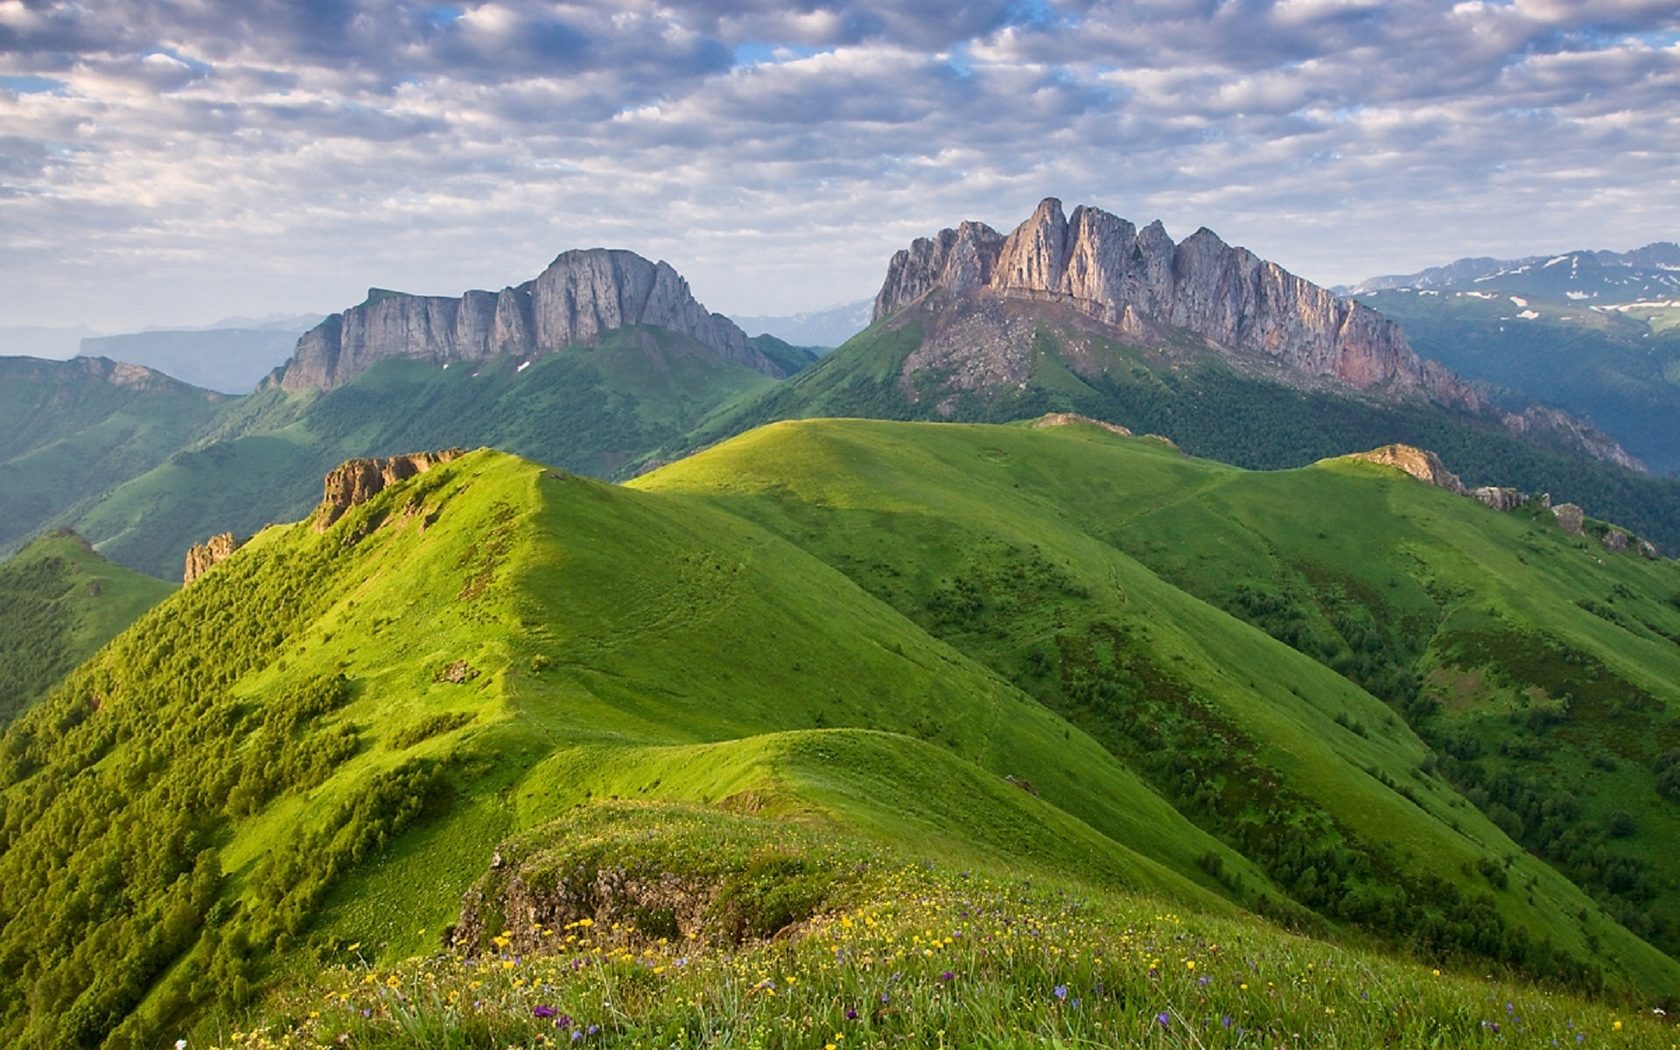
(1142, 283)
(201, 556)
(582, 295)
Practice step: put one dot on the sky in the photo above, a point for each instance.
(179, 161)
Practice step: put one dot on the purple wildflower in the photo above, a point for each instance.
(1061, 991)
(542, 1011)
(563, 1021)
(851, 1014)
(1163, 1019)
(947, 976)
(594, 1028)
(1225, 1022)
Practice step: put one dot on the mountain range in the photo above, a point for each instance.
(1135, 613)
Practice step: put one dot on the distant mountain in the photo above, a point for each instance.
(579, 298)
(401, 371)
(71, 430)
(826, 328)
(1598, 277)
(230, 360)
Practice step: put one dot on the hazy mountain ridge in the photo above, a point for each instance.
(1651, 272)
(828, 328)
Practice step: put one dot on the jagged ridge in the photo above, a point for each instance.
(1142, 283)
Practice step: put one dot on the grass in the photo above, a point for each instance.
(947, 643)
(874, 949)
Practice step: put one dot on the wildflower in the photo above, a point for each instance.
(542, 1011)
(1617, 1027)
(1061, 991)
(1226, 1021)
(851, 1014)
(563, 1021)
(948, 976)
(1163, 1019)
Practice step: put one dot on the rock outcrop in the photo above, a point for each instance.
(359, 480)
(1068, 419)
(580, 297)
(1572, 518)
(1420, 463)
(201, 556)
(1502, 499)
(1142, 283)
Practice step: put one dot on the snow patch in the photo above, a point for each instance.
(523, 365)
(1480, 295)
(1528, 315)
(1519, 300)
(446, 366)
(1580, 295)
(1554, 262)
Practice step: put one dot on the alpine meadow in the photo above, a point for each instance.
(845, 597)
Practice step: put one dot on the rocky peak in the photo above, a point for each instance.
(1142, 283)
(359, 480)
(201, 556)
(580, 297)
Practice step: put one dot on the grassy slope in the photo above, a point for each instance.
(654, 680)
(69, 431)
(59, 602)
(912, 512)
(588, 409)
(1618, 370)
(1209, 409)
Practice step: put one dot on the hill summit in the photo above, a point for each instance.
(582, 295)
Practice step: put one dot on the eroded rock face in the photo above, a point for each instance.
(1139, 281)
(201, 556)
(1572, 518)
(1067, 419)
(581, 296)
(359, 480)
(1503, 499)
(1419, 463)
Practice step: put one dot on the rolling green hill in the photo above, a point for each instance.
(1198, 399)
(914, 642)
(59, 602)
(1618, 368)
(589, 409)
(70, 430)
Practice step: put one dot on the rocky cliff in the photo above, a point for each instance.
(582, 295)
(1142, 283)
(201, 556)
(359, 480)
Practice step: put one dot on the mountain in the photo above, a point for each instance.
(580, 296)
(1232, 358)
(826, 328)
(1644, 274)
(922, 642)
(229, 360)
(1617, 365)
(397, 378)
(70, 430)
(59, 602)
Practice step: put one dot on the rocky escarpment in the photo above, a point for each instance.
(580, 297)
(1142, 283)
(359, 480)
(201, 556)
(1427, 467)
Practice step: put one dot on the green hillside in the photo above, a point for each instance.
(1620, 369)
(1198, 399)
(59, 601)
(826, 665)
(588, 409)
(70, 430)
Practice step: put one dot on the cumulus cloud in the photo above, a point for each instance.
(178, 160)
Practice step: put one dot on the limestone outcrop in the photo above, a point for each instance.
(359, 480)
(580, 297)
(201, 556)
(1420, 463)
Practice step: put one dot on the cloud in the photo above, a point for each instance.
(194, 159)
